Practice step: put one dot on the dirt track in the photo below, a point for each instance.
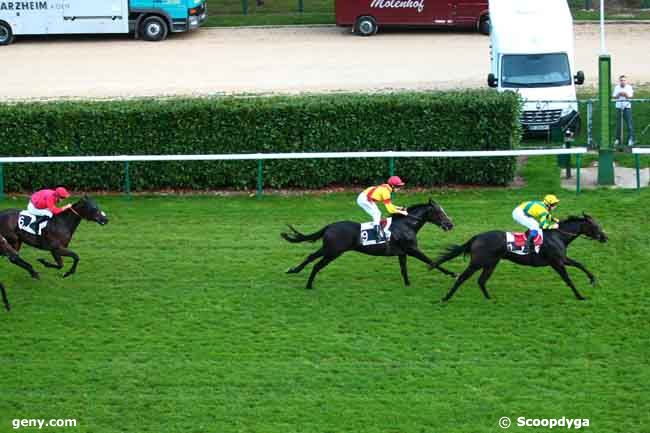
(279, 60)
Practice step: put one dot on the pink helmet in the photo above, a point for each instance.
(62, 192)
(395, 181)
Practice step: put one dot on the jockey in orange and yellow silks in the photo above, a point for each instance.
(369, 198)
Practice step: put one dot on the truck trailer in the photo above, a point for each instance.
(151, 20)
(367, 16)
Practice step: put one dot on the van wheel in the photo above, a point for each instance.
(153, 29)
(6, 35)
(484, 25)
(365, 26)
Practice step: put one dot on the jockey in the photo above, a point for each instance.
(536, 216)
(369, 198)
(43, 202)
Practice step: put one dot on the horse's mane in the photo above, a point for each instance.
(573, 218)
(417, 206)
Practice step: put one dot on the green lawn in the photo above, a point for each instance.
(181, 319)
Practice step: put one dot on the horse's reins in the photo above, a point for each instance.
(74, 211)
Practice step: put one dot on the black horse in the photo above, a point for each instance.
(343, 236)
(487, 249)
(58, 233)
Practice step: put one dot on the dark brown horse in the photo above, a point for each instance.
(487, 249)
(343, 236)
(57, 235)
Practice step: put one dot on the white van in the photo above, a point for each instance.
(532, 53)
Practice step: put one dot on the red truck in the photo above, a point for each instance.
(366, 16)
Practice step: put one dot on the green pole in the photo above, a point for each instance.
(244, 7)
(2, 182)
(260, 177)
(637, 160)
(605, 151)
(127, 179)
(578, 164)
(301, 6)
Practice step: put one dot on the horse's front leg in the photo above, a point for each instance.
(560, 269)
(67, 253)
(415, 252)
(404, 270)
(5, 300)
(57, 258)
(577, 264)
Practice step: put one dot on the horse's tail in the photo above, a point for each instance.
(453, 251)
(296, 236)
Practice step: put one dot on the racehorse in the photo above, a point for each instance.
(487, 249)
(343, 236)
(58, 233)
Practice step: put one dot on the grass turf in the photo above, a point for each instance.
(181, 319)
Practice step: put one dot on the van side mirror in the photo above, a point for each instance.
(492, 80)
(579, 78)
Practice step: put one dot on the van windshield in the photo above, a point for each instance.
(535, 70)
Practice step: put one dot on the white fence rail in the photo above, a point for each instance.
(638, 151)
(260, 157)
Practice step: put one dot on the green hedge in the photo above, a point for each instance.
(471, 120)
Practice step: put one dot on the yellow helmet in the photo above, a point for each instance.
(551, 200)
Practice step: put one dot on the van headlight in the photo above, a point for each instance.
(567, 110)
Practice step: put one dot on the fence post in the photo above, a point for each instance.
(2, 182)
(127, 180)
(260, 177)
(244, 7)
(588, 5)
(637, 160)
(578, 164)
(590, 124)
(301, 6)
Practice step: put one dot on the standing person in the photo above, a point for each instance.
(536, 216)
(623, 92)
(44, 202)
(369, 198)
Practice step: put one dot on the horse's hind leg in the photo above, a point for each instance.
(58, 265)
(460, 280)
(6, 248)
(5, 300)
(485, 276)
(307, 261)
(317, 267)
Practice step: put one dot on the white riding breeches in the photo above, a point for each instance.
(370, 208)
(526, 221)
(36, 211)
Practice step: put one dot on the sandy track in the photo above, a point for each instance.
(279, 60)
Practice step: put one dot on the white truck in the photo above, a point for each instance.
(532, 53)
(151, 20)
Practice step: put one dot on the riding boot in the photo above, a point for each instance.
(530, 246)
(381, 236)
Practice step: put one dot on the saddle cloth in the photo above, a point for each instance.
(32, 224)
(369, 233)
(516, 243)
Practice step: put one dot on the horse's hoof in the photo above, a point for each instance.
(291, 271)
(36, 276)
(67, 274)
(7, 307)
(593, 282)
(581, 298)
(453, 275)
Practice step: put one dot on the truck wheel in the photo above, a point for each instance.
(484, 25)
(365, 26)
(6, 35)
(153, 29)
